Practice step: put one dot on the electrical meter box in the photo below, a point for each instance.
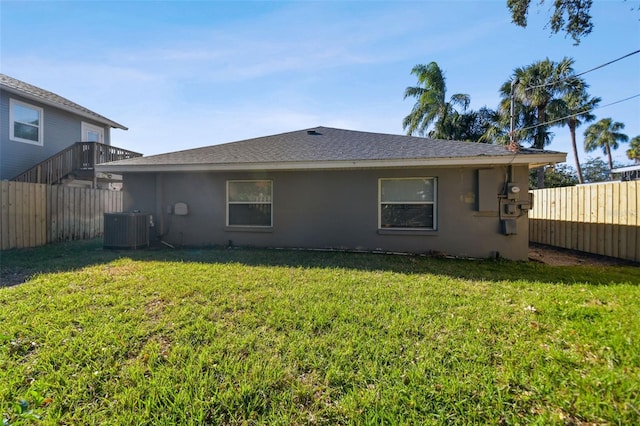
(180, 209)
(513, 191)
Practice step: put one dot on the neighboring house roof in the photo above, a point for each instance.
(628, 172)
(634, 168)
(328, 148)
(35, 93)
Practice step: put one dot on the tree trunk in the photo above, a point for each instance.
(540, 130)
(540, 177)
(572, 130)
(608, 148)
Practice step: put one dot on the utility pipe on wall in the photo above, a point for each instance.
(159, 205)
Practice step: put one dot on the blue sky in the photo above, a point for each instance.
(188, 74)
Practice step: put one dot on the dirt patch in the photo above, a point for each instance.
(14, 276)
(563, 257)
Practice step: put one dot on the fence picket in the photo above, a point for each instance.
(574, 219)
(615, 220)
(52, 209)
(19, 219)
(4, 227)
(60, 234)
(633, 238)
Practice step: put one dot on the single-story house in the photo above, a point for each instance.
(328, 188)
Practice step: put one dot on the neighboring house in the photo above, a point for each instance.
(328, 188)
(46, 138)
(628, 172)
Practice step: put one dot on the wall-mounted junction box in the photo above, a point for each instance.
(180, 209)
(509, 226)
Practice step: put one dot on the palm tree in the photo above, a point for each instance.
(540, 86)
(431, 106)
(539, 89)
(472, 126)
(633, 153)
(604, 134)
(577, 107)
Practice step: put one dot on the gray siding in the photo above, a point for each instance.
(60, 130)
(329, 209)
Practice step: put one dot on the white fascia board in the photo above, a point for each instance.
(626, 169)
(533, 160)
(97, 118)
(558, 158)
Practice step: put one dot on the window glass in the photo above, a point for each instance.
(407, 216)
(24, 114)
(248, 191)
(24, 131)
(407, 190)
(249, 203)
(93, 136)
(92, 133)
(250, 214)
(408, 203)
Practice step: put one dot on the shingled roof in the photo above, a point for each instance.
(35, 93)
(329, 148)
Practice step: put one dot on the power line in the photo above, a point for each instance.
(584, 72)
(578, 113)
(608, 63)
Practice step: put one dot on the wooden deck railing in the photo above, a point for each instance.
(81, 156)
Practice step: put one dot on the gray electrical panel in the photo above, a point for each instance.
(487, 190)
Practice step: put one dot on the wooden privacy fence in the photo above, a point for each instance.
(35, 214)
(597, 218)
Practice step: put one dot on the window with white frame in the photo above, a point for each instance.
(25, 122)
(408, 203)
(249, 203)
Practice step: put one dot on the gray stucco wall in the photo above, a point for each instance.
(60, 130)
(331, 209)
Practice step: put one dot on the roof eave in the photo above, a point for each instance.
(97, 117)
(532, 160)
(632, 168)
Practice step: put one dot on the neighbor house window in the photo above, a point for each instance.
(249, 202)
(25, 122)
(408, 203)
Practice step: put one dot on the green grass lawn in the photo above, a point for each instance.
(229, 336)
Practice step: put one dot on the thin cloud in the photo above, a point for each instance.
(286, 42)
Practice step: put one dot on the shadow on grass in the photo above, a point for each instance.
(17, 266)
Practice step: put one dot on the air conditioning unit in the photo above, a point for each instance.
(126, 230)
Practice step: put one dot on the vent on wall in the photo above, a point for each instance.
(126, 230)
